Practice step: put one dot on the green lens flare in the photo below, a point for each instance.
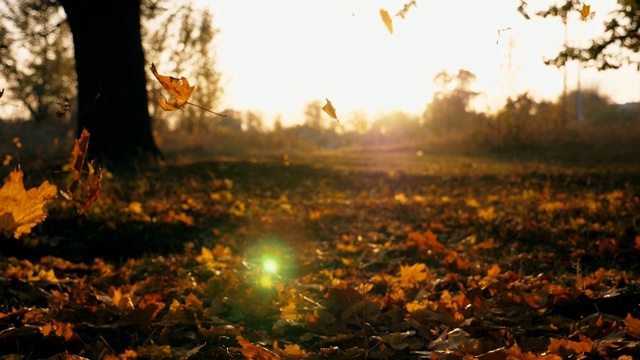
(270, 266)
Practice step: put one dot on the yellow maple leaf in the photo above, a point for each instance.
(412, 276)
(21, 209)
(386, 19)
(179, 88)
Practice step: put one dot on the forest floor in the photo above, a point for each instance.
(339, 256)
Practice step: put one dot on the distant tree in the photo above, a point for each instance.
(36, 56)
(618, 45)
(597, 107)
(449, 110)
(358, 121)
(313, 114)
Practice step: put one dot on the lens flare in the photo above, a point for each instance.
(270, 266)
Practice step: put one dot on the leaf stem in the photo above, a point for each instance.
(205, 109)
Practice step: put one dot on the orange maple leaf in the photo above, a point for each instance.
(21, 209)
(179, 88)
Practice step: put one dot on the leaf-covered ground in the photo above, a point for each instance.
(402, 257)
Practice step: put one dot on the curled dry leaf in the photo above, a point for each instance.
(21, 209)
(179, 88)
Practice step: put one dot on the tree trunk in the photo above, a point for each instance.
(112, 94)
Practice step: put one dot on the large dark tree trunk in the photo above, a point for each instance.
(112, 94)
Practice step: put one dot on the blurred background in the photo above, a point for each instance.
(462, 77)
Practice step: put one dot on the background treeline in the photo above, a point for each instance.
(38, 107)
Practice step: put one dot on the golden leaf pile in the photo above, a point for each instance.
(21, 209)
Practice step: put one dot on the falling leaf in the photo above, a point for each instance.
(179, 88)
(330, 110)
(1, 93)
(80, 153)
(21, 209)
(92, 189)
(386, 19)
(585, 11)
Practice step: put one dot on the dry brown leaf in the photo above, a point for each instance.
(80, 153)
(20, 209)
(92, 188)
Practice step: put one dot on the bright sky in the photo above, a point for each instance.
(278, 54)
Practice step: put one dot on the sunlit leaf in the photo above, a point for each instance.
(21, 209)
(330, 110)
(386, 19)
(585, 11)
(179, 88)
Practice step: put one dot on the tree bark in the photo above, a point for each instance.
(112, 94)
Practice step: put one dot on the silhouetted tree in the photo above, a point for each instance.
(110, 65)
(622, 30)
